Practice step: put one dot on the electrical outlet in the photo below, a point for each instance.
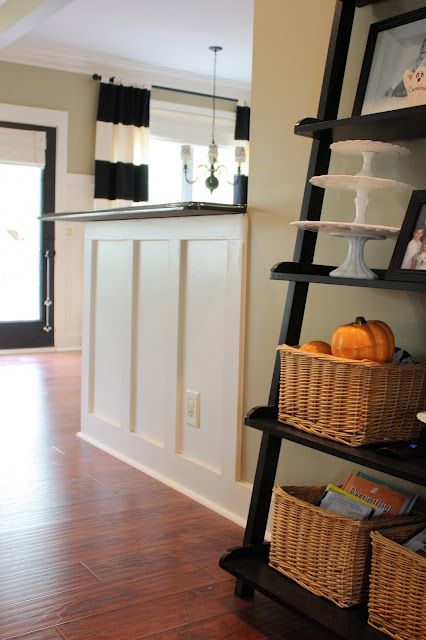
(193, 408)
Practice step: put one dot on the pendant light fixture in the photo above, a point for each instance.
(213, 168)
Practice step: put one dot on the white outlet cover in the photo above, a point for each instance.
(192, 408)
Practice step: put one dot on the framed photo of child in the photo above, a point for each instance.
(408, 261)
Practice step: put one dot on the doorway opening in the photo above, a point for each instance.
(27, 179)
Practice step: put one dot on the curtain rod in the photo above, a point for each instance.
(96, 76)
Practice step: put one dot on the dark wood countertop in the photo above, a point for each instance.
(173, 210)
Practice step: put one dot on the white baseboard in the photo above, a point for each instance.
(30, 351)
(233, 517)
(6, 352)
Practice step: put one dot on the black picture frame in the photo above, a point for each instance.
(414, 218)
(370, 51)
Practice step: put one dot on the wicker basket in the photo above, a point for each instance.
(326, 553)
(397, 602)
(351, 401)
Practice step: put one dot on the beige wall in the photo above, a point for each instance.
(12, 12)
(61, 90)
(290, 45)
(77, 94)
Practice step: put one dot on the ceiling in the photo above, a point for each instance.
(171, 34)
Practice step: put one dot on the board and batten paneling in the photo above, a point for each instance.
(163, 314)
(69, 251)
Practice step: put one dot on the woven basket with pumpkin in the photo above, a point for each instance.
(352, 393)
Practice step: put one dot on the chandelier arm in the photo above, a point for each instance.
(200, 166)
(234, 182)
(219, 169)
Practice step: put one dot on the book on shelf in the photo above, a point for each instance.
(337, 500)
(387, 499)
(417, 543)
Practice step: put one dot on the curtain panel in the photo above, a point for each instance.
(242, 137)
(121, 154)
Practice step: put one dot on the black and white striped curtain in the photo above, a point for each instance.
(121, 154)
(242, 137)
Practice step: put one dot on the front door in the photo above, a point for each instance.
(27, 186)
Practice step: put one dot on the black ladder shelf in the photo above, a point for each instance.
(249, 562)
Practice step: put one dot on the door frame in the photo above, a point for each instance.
(59, 121)
(31, 333)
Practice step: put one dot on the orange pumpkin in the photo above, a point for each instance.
(316, 346)
(362, 340)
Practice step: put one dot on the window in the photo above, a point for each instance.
(20, 242)
(173, 125)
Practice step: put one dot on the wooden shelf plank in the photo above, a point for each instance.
(265, 419)
(387, 126)
(364, 3)
(250, 564)
(319, 273)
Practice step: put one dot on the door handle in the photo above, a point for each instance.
(48, 254)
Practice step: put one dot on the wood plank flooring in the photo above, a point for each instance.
(92, 549)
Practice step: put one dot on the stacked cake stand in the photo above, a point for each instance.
(357, 232)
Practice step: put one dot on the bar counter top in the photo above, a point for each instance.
(173, 210)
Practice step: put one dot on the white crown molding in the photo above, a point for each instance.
(124, 70)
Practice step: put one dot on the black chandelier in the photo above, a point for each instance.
(213, 168)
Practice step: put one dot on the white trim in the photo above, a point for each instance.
(170, 483)
(126, 71)
(193, 495)
(167, 481)
(28, 351)
(58, 120)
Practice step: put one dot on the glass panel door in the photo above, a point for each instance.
(26, 250)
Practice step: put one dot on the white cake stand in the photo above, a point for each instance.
(369, 150)
(362, 185)
(354, 265)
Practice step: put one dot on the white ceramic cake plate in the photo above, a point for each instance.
(355, 147)
(368, 183)
(362, 185)
(354, 265)
(353, 228)
(369, 149)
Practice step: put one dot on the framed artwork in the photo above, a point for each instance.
(409, 257)
(393, 73)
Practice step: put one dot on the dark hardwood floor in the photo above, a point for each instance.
(92, 549)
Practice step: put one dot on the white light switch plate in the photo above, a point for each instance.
(192, 408)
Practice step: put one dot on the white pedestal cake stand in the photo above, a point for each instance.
(366, 180)
(362, 185)
(354, 265)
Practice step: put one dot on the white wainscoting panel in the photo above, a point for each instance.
(204, 308)
(112, 313)
(154, 370)
(164, 305)
(69, 252)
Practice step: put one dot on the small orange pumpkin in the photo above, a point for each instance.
(316, 346)
(362, 340)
